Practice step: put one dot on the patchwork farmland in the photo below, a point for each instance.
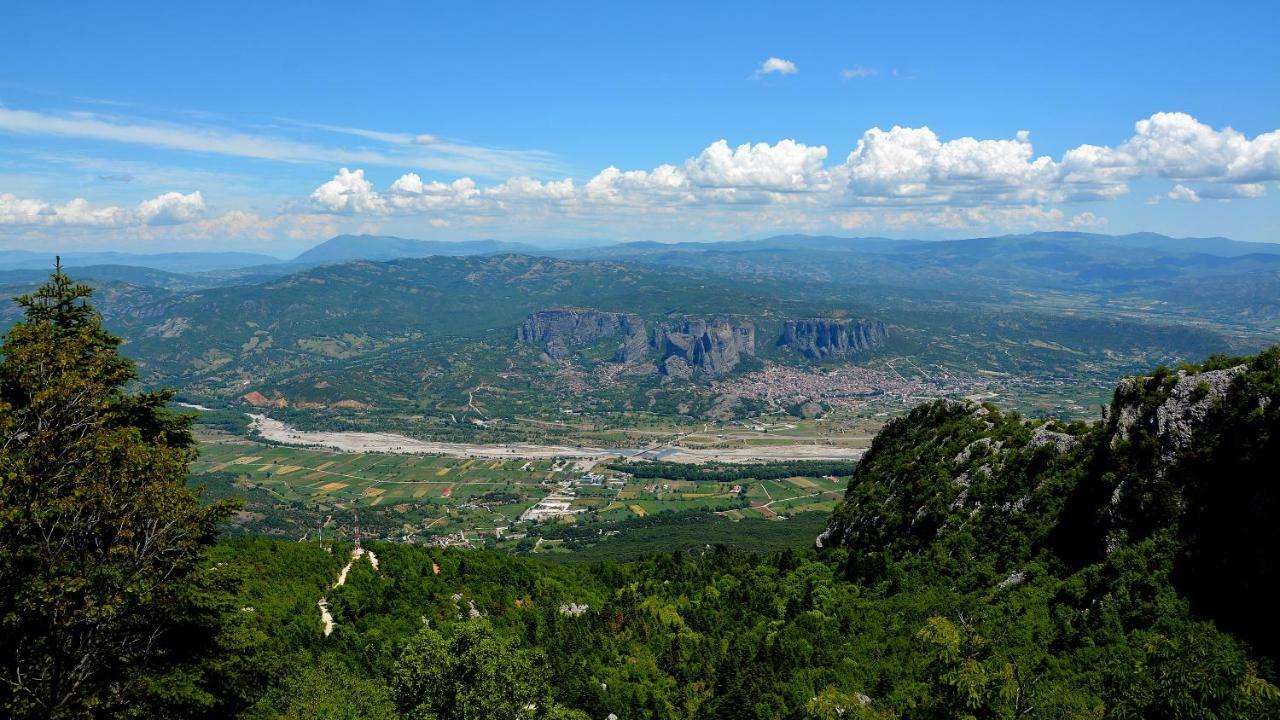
(304, 492)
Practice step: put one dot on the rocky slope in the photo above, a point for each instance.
(687, 349)
(818, 338)
(1182, 460)
(560, 329)
(704, 347)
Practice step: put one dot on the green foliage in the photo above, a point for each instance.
(982, 566)
(326, 689)
(471, 674)
(102, 597)
(730, 472)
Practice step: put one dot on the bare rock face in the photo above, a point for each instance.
(1188, 401)
(692, 348)
(818, 338)
(706, 347)
(560, 329)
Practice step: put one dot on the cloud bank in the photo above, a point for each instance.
(895, 178)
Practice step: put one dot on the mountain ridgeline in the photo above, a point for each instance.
(1180, 473)
(328, 332)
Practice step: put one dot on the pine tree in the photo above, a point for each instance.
(100, 539)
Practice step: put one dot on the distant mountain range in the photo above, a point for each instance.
(344, 248)
(1048, 247)
(172, 262)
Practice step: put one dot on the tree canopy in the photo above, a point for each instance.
(101, 542)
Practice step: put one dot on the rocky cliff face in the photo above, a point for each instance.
(560, 329)
(1189, 456)
(818, 338)
(692, 348)
(704, 347)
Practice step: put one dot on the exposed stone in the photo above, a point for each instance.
(561, 329)
(818, 338)
(1043, 436)
(1189, 400)
(708, 347)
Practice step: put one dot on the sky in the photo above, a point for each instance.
(271, 126)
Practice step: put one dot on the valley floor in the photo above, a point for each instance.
(370, 442)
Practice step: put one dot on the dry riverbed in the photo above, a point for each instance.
(367, 442)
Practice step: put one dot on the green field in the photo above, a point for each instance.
(297, 492)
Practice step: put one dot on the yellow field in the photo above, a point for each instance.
(639, 511)
(246, 460)
(442, 471)
(332, 487)
(324, 465)
(286, 469)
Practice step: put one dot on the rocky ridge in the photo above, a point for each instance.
(560, 329)
(818, 338)
(686, 349)
(703, 347)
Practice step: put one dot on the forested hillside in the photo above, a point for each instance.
(982, 565)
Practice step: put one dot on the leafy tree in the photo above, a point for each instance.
(100, 539)
(326, 689)
(472, 674)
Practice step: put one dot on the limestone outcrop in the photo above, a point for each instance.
(559, 329)
(819, 338)
(704, 347)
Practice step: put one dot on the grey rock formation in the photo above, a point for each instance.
(818, 338)
(692, 348)
(706, 347)
(1173, 421)
(560, 329)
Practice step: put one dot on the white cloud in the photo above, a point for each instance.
(858, 71)
(167, 209)
(914, 165)
(786, 166)
(776, 65)
(900, 177)
(527, 188)
(665, 185)
(896, 178)
(348, 192)
(172, 208)
(75, 212)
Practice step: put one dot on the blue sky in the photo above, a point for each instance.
(159, 126)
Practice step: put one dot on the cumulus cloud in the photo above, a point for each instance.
(348, 192)
(776, 65)
(786, 166)
(168, 209)
(899, 177)
(172, 208)
(913, 164)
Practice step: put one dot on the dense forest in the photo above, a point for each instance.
(982, 565)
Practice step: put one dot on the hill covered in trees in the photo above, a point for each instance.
(983, 565)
